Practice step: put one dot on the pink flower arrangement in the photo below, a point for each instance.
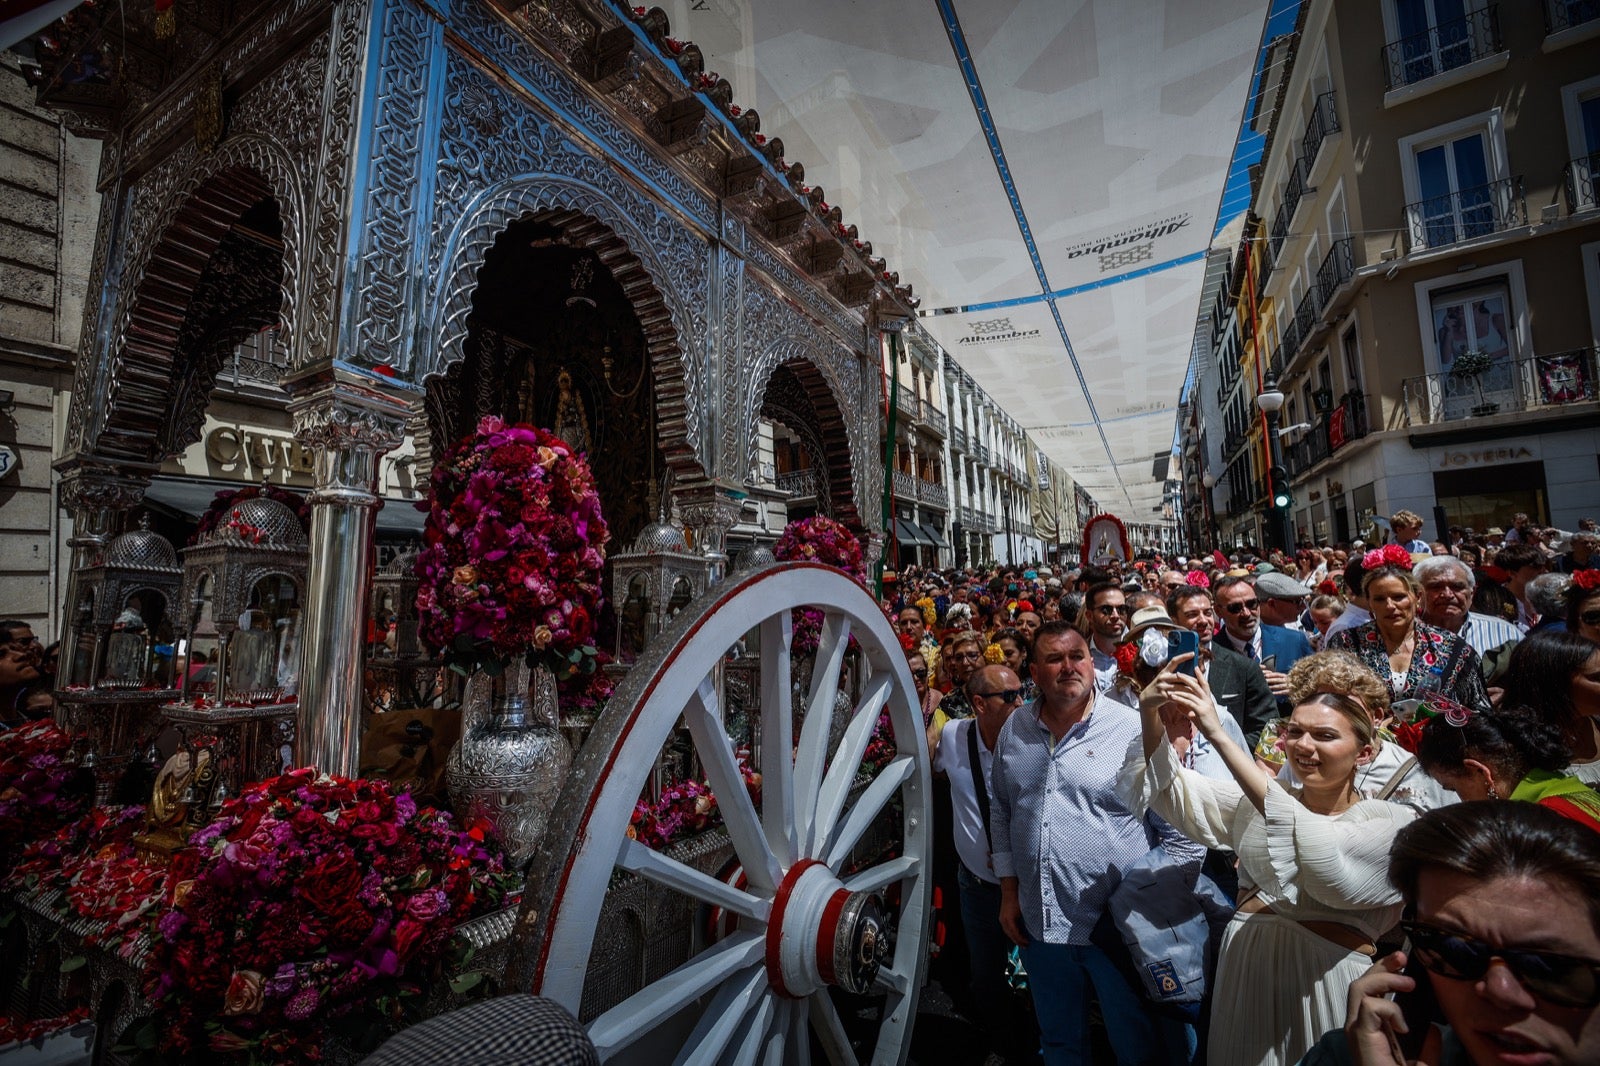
(103, 883)
(1388, 555)
(685, 808)
(1197, 579)
(42, 787)
(305, 901)
(515, 552)
(819, 540)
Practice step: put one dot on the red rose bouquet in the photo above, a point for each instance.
(685, 808)
(818, 540)
(309, 903)
(515, 549)
(42, 787)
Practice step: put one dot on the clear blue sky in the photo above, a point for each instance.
(1236, 193)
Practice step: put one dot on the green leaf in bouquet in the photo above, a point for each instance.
(74, 962)
(466, 982)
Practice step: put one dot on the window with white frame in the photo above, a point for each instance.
(1350, 346)
(1580, 104)
(1429, 37)
(1474, 329)
(1457, 182)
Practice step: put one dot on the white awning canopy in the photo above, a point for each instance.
(1051, 169)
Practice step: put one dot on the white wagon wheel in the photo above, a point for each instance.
(804, 923)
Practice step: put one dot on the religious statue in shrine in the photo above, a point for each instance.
(571, 424)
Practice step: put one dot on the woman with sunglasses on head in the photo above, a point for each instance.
(1014, 645)
(1558, 675)
(1503, 902)
(1313, 899)
(1510, 753)
(1409, 656)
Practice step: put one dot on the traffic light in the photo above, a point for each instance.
(1282, 498)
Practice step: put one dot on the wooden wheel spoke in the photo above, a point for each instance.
(753, 1037)
(777, 739)
(799, 1036)
(812, 753)
(783, 1012)
(669, 872)
(830, 1030)
(642, 1012)
(892, 981)
(847, 761)
(733, 798)
(872, 801)
(884, 874)
(723, 1019)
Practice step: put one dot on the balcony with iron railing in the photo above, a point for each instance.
(905, 485)
(1467, 214)
(1542, 385)
(982, 455)
(1563, 15)
(1582, 181)
(1347, 422)
(934, 418)
(802, 483)
(1450, 45)
(958, 438)
(1297, 189)
(933, 494)
(1305, 315)
(1322, 125)
(1337, 268)
(1280, 230)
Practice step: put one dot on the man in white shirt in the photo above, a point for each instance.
(1447, 586)
(1355, 609)
(995, 691)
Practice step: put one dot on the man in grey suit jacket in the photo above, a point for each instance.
(1236, 682)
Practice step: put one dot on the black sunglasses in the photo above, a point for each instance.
(1590, 618)
(920, 673)
(1010, 695)
(1106, 608)
(1564, 980)
(1243, 605)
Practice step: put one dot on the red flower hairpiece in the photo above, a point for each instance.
(1197, 579)
(1587, 580)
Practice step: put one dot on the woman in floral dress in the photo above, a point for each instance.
(1409, 656)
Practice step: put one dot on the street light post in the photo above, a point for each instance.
(1213, 530)
(1271, 402)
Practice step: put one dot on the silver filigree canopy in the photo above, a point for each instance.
(142, 549)
(264, 521)
(659, 537)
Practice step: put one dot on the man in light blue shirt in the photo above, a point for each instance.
(1062, 837)
(1447, 586)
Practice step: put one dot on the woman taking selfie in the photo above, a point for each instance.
(1411, 657)
(1312, 860)
(1503, 964)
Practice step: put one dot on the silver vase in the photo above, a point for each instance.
(512, 760)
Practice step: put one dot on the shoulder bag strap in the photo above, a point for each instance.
(980, 789)
(1399, 776)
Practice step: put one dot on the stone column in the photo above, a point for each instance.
(95, 493)
(348, 421)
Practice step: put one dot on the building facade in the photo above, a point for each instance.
(1427, 292)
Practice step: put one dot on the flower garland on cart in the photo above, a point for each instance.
(42, 786)
(819, 539)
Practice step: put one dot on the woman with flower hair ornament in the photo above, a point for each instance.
(1509, 753)
(1583, 605)
(1411, 657)
(1558, 675)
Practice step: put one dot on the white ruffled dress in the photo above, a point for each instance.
(1279, 986)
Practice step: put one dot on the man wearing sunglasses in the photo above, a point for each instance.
(1105, 616)
(1503, 946)
(994, 691)
(1272, 648)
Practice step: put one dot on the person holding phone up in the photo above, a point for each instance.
(1312, 861)
(1503, 961)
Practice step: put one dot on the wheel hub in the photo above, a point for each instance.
(820, 934)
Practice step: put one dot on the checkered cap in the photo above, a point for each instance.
(514, 1030)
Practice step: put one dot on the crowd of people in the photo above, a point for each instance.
(1327, 807)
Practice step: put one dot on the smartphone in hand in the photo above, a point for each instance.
(1269, 663)
(1184, 642)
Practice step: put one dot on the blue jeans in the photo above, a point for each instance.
(1061, 977)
